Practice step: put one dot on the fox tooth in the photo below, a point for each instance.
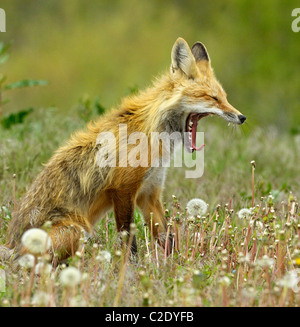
(190, 123)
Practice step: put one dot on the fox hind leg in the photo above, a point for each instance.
(65, 239)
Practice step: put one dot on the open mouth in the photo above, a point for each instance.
(191, 129)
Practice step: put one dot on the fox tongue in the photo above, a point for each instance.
(194, 131)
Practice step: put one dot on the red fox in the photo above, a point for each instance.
(73, 191)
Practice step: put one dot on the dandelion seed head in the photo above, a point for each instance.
(26, 261)
(249, 292)
(265, 261)
(244, 213)
(70, 277)
(224, 281)
(290, 280)
(40, 299)
(197, 207)
(104, 256)
(43, 268)
(36, 241)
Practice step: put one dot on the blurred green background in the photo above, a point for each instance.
(105, 48)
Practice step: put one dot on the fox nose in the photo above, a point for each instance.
(242, 118)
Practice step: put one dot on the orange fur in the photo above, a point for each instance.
(73, 192)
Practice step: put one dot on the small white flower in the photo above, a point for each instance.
(36, 241)
(249, 292)
(290, 280)
(244, 213)
(259, 224)
(197, 207)
(43, 268)
(41, 299)
(191, 219)
(197, 236)
(70, 277)
(224, 281)
(26, 261)
(265, 261)
(104, 256)
(244, 258)
(85, 277)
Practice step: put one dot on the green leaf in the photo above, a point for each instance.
(7, 213)
(3, 58)
(100, 109)
(25, 83)
(2, 78)
(15, 118)
(4, 48)
(295, 130)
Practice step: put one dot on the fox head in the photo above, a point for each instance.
(200, 94)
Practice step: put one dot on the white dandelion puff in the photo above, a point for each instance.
(104, 256)
(70, 277)
(36, 241)
(290, 280)
(249, 292)
(244, 258)
(43, 268)
(259, 224)
(265, 261)
(244, 213)
(225, 281)
(26, 261)
(197, 207)
(41, 299)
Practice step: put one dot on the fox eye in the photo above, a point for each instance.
(215, 98)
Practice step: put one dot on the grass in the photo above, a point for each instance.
(218, 259)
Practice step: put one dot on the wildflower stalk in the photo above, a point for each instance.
(123, 269)
(151, 231)
(147, 245)
(224, 298)
(175, 236)
(187, 242)
(107, 286)
(179, 237)
(253, 168)
(247, 238)
(213, 234)
(156, 254)
(196, 242)
(167, 242)
(14, 189)
(106, 229)
(31, 281)
(281, 252)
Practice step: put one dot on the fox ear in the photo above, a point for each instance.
(200, 53)
(182, 58)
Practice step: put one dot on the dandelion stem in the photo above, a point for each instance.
(123, 270)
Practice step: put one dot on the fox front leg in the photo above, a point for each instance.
(154, 216)
(123, 204)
